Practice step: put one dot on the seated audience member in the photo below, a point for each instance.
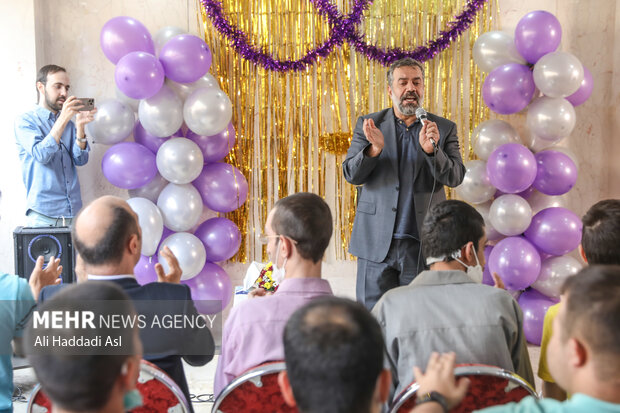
(600, 244)
(446, 308)
(87, 379)
(583, 354)
(297, 232)
(334, 359)
(107, 236)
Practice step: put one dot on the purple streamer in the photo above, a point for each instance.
(343, 28)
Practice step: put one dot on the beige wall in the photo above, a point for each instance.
(67, 33)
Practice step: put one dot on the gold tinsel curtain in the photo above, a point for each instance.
(293, 128)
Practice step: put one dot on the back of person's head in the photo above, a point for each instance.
(448, 226)
(592, 311)
(102, 229)
(45, 71)
(306, 219)
(334, 355)
(81, 378)
(600, 237)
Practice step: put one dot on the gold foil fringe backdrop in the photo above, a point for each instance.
(293, 129)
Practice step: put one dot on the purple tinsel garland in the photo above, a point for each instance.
(343, 28)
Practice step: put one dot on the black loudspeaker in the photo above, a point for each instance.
(46, 241)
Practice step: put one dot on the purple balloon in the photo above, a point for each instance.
(145, 269)
(516, 261)
(211, 289)
(121, 35)
(556, 231)
(486, 275)
(223, 187)
(128, 165)
(215, 147)
(537, 33)
(186, 58)
(508, 88)
(511, 168)
(221, 238)
(141, 136)
(534, 306)
(585, 89)
(139, 75)
(556, 173)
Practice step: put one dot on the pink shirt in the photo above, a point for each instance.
(253, 332)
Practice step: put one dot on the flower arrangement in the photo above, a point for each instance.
(265, 280)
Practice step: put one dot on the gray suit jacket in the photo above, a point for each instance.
(378, 177)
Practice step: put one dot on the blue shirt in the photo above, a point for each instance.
(49, 169)
(578, 403)
(16, 304)
(407, 138)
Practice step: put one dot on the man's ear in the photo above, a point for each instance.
(583, 254)
(41, 89)
(468, 253)
(285, 389)
(578, 355)
(384, 382)
(130, 373)
(134, 244)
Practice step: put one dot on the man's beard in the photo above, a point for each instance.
(55, 106)
(407, 109)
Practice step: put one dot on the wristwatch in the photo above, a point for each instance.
(433, 397)
(81, 140)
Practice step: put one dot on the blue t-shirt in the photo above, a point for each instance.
(578, 403)
(16, 305)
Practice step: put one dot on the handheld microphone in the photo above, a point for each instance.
(421, 114)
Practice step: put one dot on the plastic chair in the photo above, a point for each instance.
(490, 386)
(159, 393)
(255, 391)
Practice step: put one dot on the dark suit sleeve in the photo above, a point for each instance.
(202, 336)
(447, 165)
(357, 166)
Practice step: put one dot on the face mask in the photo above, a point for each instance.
(474, 272)
(278, 273)
(131, 400)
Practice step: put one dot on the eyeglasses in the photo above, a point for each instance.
(264, 238)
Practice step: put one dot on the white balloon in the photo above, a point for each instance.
(551, 118)
(151, 222)
(510, 214)
(553, 272)
(496, 48)
(558, 74)
(180, 160)
(151, 190)
(186, 89)
(539, 201)
(491, 134)
(536, 144)
(114, 121)
(207, 111)
(180, 205)
(162, 114)
(492, 233)
(476, 186)
(132, 103)
(164, 34)
(188, 250)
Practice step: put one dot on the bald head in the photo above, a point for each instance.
(102, 230)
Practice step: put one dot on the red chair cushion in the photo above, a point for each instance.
(249, 398)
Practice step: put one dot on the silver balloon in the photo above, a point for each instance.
(132, 103)
(536, 144)
(151, 190)
(510, 214)
(476, 186)
(551, 118)
(164, 34)
(162, 114)
(207, 111)
(151, 222)
(492, 233)
(186, 89)
(558, 74)
(180, 160)
(553, 272)
(114, 121)
(491, 134)
(180, 205)
(496, 48)
(539, 201)
(188, 250)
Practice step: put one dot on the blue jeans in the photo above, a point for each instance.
(35, 219)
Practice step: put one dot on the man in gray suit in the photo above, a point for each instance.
(400, 165)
